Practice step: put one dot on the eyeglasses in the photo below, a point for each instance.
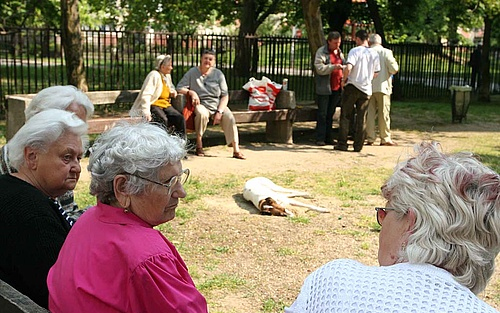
(381, 213)
(172, 181)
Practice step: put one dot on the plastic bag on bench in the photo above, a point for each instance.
(262, 94)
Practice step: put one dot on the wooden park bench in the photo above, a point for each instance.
(279, 122)
(12, 301)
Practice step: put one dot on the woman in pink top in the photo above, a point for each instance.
(113, 260)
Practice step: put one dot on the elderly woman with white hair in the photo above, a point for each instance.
(46, 154)
(65, 97)
(68, 98)
(113, 259)
(439, 239)
(153, 102)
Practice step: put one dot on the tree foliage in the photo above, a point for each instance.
(29, 13)
(173, 15)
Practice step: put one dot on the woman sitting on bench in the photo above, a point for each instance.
(153, 102)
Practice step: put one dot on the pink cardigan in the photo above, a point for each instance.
(113, 261)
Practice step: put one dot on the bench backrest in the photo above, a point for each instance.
(12, 301)
(16, 104)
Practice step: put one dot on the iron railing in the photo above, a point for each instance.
(32, 59)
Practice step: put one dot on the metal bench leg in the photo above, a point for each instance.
(279, 131)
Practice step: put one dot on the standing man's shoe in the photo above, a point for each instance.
(340, 148)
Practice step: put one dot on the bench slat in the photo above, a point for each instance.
(261, 116)
(12, 301)
(98, 125)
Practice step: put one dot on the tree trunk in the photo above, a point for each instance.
(375, 15)
(314, 25)
(484, 88)
(71, 37)
(246, 37)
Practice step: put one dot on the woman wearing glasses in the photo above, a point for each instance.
(114, 260)
(437, 246)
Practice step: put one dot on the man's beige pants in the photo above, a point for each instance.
(228, 123)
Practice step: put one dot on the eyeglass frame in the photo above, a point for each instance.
(171, 181)
(385, 212)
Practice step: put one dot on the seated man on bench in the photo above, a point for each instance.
(207, 88)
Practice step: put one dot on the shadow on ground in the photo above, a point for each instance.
(255, 134)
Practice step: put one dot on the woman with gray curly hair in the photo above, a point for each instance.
(46, 154)
(113, 259)
(439, 239)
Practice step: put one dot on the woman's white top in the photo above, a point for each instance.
(351, 287)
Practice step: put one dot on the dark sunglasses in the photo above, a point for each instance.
(381, 213)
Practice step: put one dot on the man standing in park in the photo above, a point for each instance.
(379, 105)
(328, 69)
(362, 66)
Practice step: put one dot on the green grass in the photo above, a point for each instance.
(272, 305)
(284, 251)
(221, 281)
(423, 114)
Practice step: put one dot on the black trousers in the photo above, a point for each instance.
(169, 118)
(354, 101)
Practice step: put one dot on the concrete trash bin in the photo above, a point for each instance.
(460, 99)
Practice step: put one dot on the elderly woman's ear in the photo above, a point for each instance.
(30, 157)
(412, 219)
(120, 188)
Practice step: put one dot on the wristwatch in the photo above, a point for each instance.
(220, 111)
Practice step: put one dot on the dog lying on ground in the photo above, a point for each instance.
(272, 199)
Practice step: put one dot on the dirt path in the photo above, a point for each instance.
(304, 155)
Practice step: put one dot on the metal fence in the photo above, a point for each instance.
(32, 59)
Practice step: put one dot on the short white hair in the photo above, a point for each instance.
(374, 39)
(59, 97)
(456, 202)
(162, 59)
(43, 129)
(141, 149)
